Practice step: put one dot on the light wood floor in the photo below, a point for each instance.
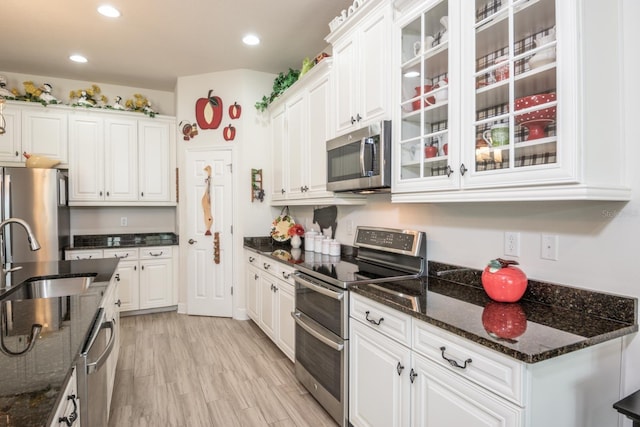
(189, 371)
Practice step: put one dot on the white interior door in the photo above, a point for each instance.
(209, 282)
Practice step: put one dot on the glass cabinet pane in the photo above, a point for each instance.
(515, 84)
(425, 94)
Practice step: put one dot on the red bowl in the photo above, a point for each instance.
(544, 114)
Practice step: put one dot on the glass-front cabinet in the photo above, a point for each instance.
(495, 99)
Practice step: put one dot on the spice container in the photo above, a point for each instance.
(309, 241)
(325, 246)
(334, 248)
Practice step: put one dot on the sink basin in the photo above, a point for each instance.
(50, 288)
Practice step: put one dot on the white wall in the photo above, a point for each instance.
(161, 101)
(250, 150)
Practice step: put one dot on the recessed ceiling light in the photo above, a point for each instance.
(78, 58)
(251, 40)
(411, 74)
(108, 11)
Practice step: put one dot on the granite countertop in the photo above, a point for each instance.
(105, 241)
(31, 383)
(550, 319)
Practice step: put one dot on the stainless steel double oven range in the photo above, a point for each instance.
(322, 307)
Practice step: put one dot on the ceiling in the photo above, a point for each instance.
(156, 41)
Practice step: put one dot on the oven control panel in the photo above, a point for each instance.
(391, 240)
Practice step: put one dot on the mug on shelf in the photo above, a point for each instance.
(497, 135)
(502, 71)
(428, 42)
(430, 151)
(417, 48)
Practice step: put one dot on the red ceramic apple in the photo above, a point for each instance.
(503, 282)
(507, 321)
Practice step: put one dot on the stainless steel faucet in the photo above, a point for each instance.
(33, 242)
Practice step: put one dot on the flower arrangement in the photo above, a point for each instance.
(296, 230)
(140, 103)
(88, 97)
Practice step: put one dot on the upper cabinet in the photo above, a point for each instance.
(120, 159)
(362, 54)
(300, 126)
(35, 130)
(504, 100)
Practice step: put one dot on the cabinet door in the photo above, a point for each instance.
(345, 72)
(296, 137)
(156, 283)
(154, 161)
(252, 283)
(121, 160)
(319, 107)
(373, 88)
(44, 133)
(379, 385)
(11, 140)
(86, 158)
(268, 306)
(129, 286)
(278, 153)
(442, 398)
(286, 324)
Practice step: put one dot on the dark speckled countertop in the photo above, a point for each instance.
(550, 319)
(31, 384)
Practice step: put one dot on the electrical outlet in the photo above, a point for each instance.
(123, 221)
(511, 243)
(549, 247)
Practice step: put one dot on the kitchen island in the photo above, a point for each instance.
(31, 385)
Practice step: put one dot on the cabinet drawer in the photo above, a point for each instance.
(156, 252)
(283, 272)
(252, 258)
(124, 253)
(386, 320)
(493, 371)
(84, 254)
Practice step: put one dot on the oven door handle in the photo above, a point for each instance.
(324, 291)
(326, 341)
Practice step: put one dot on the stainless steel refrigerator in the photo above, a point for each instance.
(38, 196)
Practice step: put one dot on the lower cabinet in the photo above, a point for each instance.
(271, 299)
(406, 372)
(147, 276)
(111, 306)
(68, 411)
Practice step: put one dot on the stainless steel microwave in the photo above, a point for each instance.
(360, 161)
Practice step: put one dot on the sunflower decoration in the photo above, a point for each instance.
(140, 103)
(31, 92)
(89, 97)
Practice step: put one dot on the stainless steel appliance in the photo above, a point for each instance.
(92, 371)
(360, 161)
(38, 196)
(322, 307)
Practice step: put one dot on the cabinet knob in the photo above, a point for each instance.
(358, 118)
(142, 194)
(412, 375)
(107, 194)
(118, 303)
(118, 277)
(282, 190)
(17, 153)
(463, 169)
(399, 368)
(449, 171)
(101, 194)
(353, 120)
(255, 276)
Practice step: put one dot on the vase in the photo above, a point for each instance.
(296, 241)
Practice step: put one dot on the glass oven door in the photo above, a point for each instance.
(323, 303)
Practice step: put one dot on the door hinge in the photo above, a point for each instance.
(231, 229)
(232, 290)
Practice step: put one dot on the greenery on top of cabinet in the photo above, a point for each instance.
(280, 84)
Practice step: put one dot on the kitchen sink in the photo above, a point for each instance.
(50, 288)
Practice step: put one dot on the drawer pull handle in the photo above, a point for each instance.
(400, 368)
(286, 275)
(121, 256)
(412, 375)
(152, 254)
(251, 259)
(453, 362)
(68, 421)
(366, 316)
(266, 266)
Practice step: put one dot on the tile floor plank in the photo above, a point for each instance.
(189, 371)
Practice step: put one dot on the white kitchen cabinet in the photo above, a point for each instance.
(455, 382)
(300, 127)
(117, 159)
(147, 276)
(271, 299)
(379, 392)
(11, 139)
(523, 116)
(44, 132)
(68, 409)
(157, 281)
(156, 160)
(362, 53)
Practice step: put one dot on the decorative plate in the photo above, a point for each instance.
(280, 228)
(282, 254)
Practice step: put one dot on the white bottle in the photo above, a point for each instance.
(334, 248)
(309, 240)
(325, 246)
(318, 243)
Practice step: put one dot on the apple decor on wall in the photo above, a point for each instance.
(209, 111)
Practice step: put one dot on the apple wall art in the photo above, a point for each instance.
(209, 114)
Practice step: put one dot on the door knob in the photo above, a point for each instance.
(191, 241)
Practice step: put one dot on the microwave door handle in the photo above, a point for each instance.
(363, 170)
